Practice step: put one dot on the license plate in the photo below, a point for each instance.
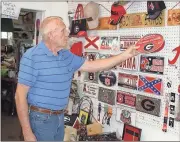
(106, 96)
(126, 99)
(107, 78)
(109, 43)
(127, 81)
(127, 41)
(129, 64)
(91, 90)
(148, 105)
(152, 64)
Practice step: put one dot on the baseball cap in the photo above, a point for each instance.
(154, 9)
(117, 12)
(91, 13)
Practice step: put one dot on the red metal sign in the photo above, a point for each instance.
(126, 99)
(92, 43)
(150, 43)
(128, 81)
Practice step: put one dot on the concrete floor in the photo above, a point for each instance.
(10, 128)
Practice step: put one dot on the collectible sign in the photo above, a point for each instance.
(173, 61)
(152, 64)
(173, 17)
(138, 20)
(150, 43)
(127, 41)
(126, 99)
(150, 84)
(131, 133)
(106, 96)
(91, 90)
(109, 43)
(91, 77)
(91, 42)
(129, 64)
(107, 78)
(125, 116)
(83, 116)
(91, 56)
(127, 81)
(148, 105)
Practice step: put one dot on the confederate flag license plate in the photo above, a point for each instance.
(152, 64)
(128, 81)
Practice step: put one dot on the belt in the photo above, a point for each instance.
(47, 111)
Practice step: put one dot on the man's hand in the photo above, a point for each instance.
(29, 136)
(132, 51)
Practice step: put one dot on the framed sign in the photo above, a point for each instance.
(150, 84)
(106, 96)
(173, 17)
(127, 41)
(152, 64)
(83, 116)
(128, 81)
(109, 43)
(125, 116)
(91, 90)
(148, 105)
(139, 20)
(126, 99)
(107, 78)
(129, 64)
(131, 133)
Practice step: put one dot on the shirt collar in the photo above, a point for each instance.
(47, 51)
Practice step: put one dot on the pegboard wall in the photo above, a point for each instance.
(171, 74)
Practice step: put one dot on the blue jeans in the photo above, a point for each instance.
(47, 127)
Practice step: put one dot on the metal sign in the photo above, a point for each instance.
(173, 17)
(126, 99)
(129, 64)
(148, 105)
(107, 78)
(152, 64)
(92, 42)
(138, 20)
(127, 81)
(91, 77)
(106, 96)
(150, 84)
(91, 90)
(127, 41)
(109, 43)
(125, 116)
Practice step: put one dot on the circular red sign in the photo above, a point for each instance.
(150, 43)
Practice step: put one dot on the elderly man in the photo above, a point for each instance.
(44, 81)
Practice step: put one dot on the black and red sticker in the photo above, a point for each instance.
(152, 64)
(127, 81)
(106, 95)
(126, 99)
(107, 78)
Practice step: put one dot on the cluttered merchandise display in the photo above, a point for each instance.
(115, 104)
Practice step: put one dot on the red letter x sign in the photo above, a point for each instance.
(91, 41)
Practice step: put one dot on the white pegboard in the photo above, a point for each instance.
(171, 36)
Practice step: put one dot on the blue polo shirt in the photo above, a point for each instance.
(48, 76)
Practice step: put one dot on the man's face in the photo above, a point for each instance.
(60, 35)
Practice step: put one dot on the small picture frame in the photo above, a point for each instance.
(131, 133)
(83, 116)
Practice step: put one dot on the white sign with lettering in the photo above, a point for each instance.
(10, 10)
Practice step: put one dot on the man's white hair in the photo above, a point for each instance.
(46, 25)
